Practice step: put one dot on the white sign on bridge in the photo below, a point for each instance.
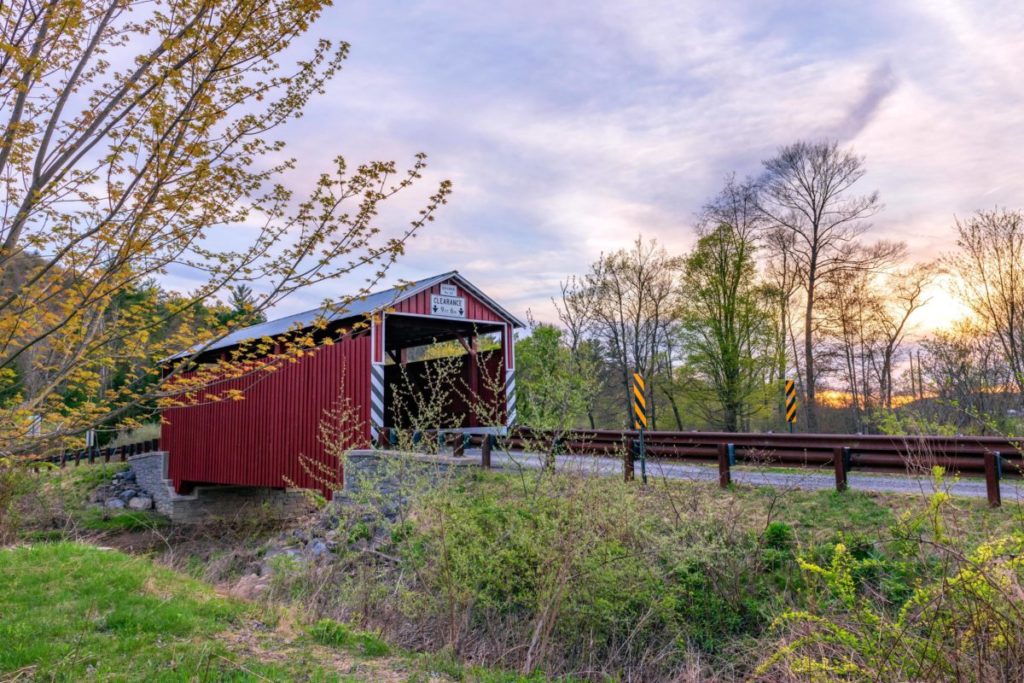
(450, 306)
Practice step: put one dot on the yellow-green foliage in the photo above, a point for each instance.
(967, 618)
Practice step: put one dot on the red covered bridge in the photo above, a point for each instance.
(262, 439)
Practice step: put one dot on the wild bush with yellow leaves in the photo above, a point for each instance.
(966, 624)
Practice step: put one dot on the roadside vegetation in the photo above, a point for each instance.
(592, 577)
(476, 576)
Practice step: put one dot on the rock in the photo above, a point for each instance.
(249, 587)
(140, 503)
(128, 475)
(127, 494)
(101, 494)
(318, 548)
(115, 503)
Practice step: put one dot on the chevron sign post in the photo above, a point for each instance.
(790, 403)
(640, 420)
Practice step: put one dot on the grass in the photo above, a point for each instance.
(337, 634)
(71, 612)
(63, 501)
(97, 519)
(817, 516)
(75, 612)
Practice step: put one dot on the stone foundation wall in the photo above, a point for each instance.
(151, 474)
(212, 503)
(380, 477)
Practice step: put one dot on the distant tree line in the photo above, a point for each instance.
(785, 282)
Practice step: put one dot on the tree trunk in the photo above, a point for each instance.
(810, 409)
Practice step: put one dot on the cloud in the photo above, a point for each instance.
(569, 128)
(880, 84)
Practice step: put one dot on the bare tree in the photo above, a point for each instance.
(577, 311)
(636, 290)
(907, 294)
(964, 370)
(850, 307)
(782, 278)
(807, 191)
(990, 268)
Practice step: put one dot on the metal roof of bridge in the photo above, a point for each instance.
(361, 306)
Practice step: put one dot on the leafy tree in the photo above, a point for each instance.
(553, 385)
(726, 323)
(137, 136)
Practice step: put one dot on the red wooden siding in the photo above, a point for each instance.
(258, 441)
(420, 304)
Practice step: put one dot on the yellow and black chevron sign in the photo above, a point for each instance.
(639, 402)
(790, 401)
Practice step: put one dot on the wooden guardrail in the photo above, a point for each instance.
(91, 455)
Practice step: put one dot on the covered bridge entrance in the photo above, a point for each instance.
(436, 354)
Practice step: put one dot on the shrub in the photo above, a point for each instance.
(963, 623)
(559, 573)
(778, 536)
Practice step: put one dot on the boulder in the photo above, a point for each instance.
(127, 494)
(249, 587)
(140, 503)
(115, 503)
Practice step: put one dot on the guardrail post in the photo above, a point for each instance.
(485, 452)
(839, 465)
(628, 465)
(992, 479)
(63, 459)
(724, 473)
(459, 446)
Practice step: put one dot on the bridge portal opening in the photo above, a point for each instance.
(444, 374)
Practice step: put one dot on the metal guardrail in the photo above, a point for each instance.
(993, 457)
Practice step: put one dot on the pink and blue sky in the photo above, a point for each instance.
(570, 127)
